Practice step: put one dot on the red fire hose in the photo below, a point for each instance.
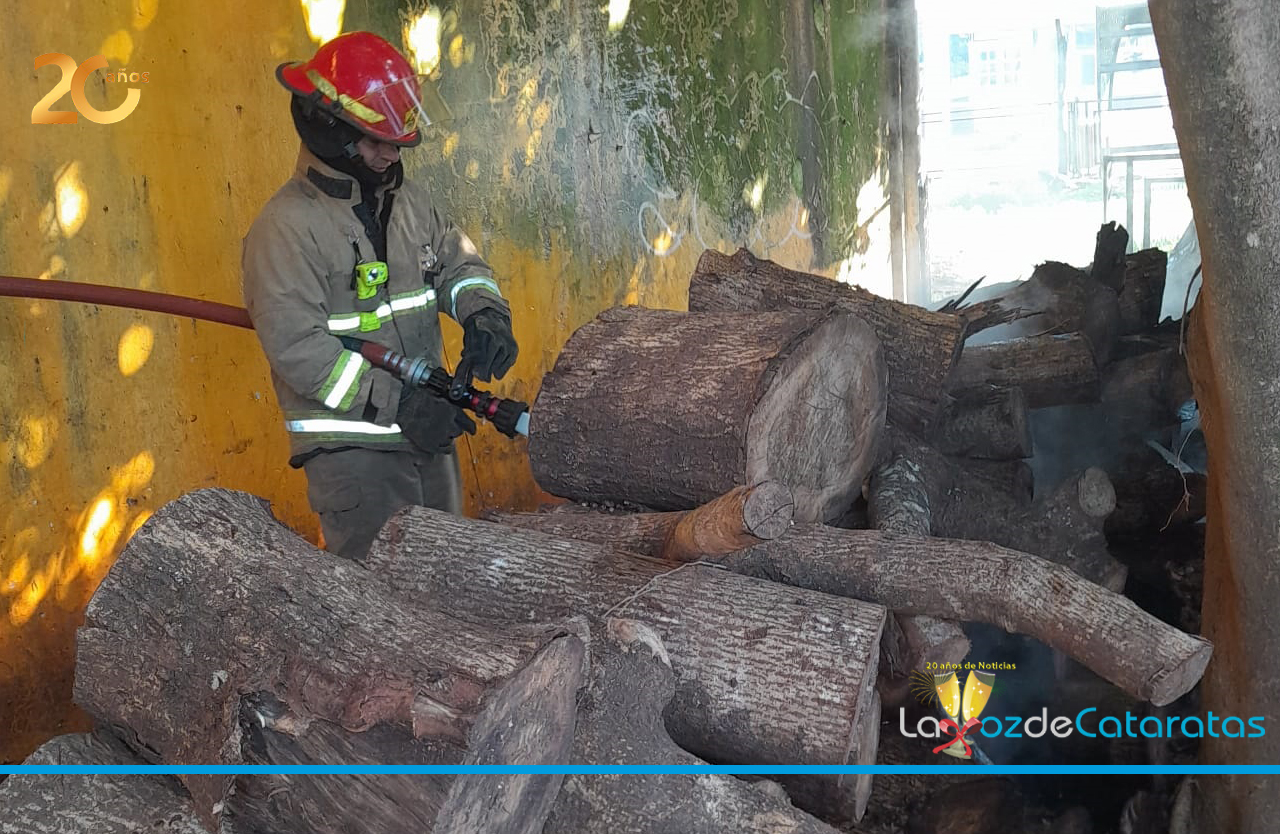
(509, 416)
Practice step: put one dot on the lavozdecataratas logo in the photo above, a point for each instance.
(74, 76)
(964, 708)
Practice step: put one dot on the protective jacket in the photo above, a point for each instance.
(299, 263)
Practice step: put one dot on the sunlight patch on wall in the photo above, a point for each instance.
(135, 348)
(618, 10)
(35, 440)
(323, 18)
(118, 46)
(6, 180)
(95, 528)
(422, 34)
(71, 199)
(57, 265)
(753, 195)
(144, 11)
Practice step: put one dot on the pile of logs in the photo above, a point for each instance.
(779, 504)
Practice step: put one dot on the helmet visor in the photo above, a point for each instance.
(398, 109)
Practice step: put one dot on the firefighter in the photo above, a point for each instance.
(348, 247)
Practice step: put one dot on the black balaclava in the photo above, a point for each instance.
(334, 141)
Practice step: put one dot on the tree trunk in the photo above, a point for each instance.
(101, 804)
(1142, 295)
(1220, 66)
(1050, 370)
(216, 617)
(763, 675)
(957, 580)
(621, 722)
(670, 410)
(986, 422)
(920, 346)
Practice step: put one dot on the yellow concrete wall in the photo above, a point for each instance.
(106, 414)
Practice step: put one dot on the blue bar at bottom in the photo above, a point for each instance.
(754, 770)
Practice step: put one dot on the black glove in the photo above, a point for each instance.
(430, 422)
(487, 342)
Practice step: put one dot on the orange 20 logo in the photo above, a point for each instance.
(73, 80)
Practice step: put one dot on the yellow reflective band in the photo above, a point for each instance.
(369, 322)
(357, 109)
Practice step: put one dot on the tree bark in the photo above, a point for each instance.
(962, 581)
(1050, 370)
(763, 675)
(216, 617)
(670, 410)
(621, 722)
(920, 346)
(986, 422)
(1224, 91)
(1142, 296)
(101, 804)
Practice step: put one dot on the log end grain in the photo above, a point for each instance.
(768, 510)
(1185, 670)
(817, 424)
(1096, 493)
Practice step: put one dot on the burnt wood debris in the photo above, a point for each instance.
(777, 507)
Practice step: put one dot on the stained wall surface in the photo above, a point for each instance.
(594, 151)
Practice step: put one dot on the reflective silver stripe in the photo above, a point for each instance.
(352, 365)
(321, 425)
(409, 301)
(488, 283)
(413, 300)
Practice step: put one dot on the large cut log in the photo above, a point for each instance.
(1050, 369)
(101, 804)
(920, 346)
(1142, 295)
(621, 722)
(766, 673)
(985, 422)
(670, 410)
(216, 618)
(962, 581)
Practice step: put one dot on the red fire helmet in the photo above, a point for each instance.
(375, 86)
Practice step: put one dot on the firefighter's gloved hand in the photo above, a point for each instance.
(488, 343)
(432, 423)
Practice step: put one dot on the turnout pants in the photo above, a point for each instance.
(355, 491)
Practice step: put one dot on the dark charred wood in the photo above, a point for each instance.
(986, 422)
(1050, 369)
(1142, 296)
